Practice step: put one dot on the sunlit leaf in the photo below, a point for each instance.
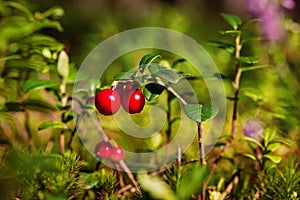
(249, 139)
(156, 187)
(192, 182)
(55, 124)
(275, 159)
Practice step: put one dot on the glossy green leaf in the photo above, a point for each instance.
(233, 20)
(63, 64)
(200, 113)
(275, 159)
(146, 61)
(192, 182)
(247, 60)
(152, 91)
(222, 45)
(34, 84)
(56, 124)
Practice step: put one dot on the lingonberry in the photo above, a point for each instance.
(117, 154)
(133, 102)
(103, 150)
(107, 101)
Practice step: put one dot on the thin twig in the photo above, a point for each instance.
(201, 144)
(236, 84)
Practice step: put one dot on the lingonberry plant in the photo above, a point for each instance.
(43, 158)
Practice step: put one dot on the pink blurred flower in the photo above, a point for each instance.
(253, 128)
(271, 13)
(288, 4)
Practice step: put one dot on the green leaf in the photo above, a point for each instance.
(34, 84)
(233, 20)
(124, 75)
(200, 113)
(38, 104)
(249, 139)
(231, 32)
(146, 61)
(247, 60)
(156, 68)
(253, 93)
(248, 155)
(222, 45)
(244, 69)
(275, 159)
(168, 76)
(177, 62)
(281, 141)
(192, 182)
(273, 147)
(56, 124)
(156, 187)
(269, 135)
(152, 91)
(63, 64)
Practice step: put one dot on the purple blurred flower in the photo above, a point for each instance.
(271, 14)
(253, 128)
(256, 7)
(288, 4)
(272, 24)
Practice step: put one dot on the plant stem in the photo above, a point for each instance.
(106, 139)
(236, 84)
(201, 144)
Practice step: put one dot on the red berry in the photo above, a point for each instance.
(107, 101)
(103, 150)
(117, 154)
(133, 102)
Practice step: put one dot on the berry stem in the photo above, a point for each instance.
(106, 139)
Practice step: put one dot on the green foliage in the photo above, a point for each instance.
(283, 182)
(37, 174)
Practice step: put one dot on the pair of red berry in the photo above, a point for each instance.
(106, 150)
(127, 94)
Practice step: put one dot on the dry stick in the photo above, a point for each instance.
(106, 139)
(236, 84)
